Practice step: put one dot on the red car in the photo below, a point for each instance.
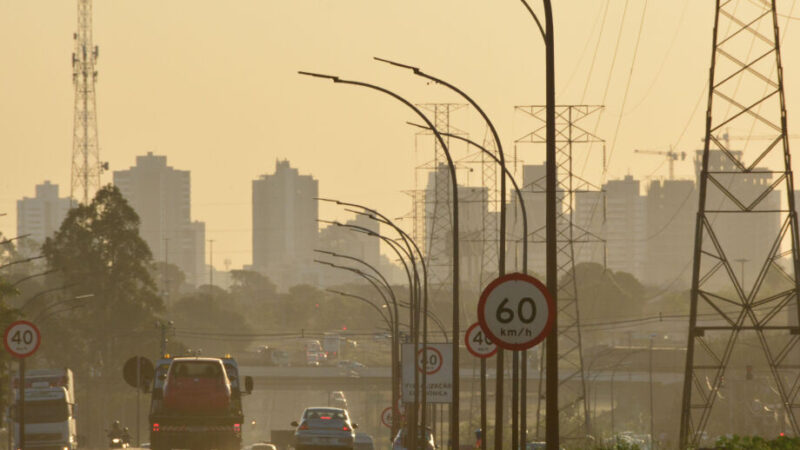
(197, 385)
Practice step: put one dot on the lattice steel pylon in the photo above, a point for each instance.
(438, 216)
(741, 218)
(86, 167)
(573, 408)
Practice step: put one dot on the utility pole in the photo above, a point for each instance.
(164, 328)
(86, 167)
(738, 187)
(165, 275)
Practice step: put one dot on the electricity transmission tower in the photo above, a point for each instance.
(571, 129)
(86, 167)
(742, 218)
(435, 210)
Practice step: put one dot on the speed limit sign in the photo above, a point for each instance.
(478, 343)
(22, 339)
(516, 311)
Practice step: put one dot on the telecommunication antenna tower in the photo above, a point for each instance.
(739, 187)
(86, 167)
(570, 129)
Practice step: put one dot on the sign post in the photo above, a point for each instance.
(437, 362)
(481, 347)
(21, 340)
(516, 311)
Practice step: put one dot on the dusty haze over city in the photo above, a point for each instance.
(214, 87)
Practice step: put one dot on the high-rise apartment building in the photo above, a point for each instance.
(625, 224)
(348, 240)
(671, 208)
(41, 216)
(161, 196)
(285, 229)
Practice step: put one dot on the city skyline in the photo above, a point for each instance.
(145, 101)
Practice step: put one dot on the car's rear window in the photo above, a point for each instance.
(325, 414)
(196, 369)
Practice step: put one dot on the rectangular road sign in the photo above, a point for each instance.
(440, 371)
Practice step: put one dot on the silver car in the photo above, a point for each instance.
(324, 428)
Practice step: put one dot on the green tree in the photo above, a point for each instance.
(7, 315)
(98, 251)
(603, 293)
(206, 319)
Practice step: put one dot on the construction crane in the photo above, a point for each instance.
(671, 156)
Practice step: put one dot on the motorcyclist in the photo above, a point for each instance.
(116, 430)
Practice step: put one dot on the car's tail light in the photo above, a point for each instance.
(155, 427)
(303, 426)
(345, 428)
(237, 428)
(325, 417)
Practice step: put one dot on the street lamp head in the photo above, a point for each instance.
(395, 63)
(333, 78)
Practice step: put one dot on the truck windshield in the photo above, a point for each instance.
(45, 411)
(197, 369)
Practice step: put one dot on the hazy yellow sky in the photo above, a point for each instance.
(213, 85)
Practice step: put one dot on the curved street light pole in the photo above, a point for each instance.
(498, 440)
(395, 330)
(523, 386)
(409, 242)
(413, 288)
(454, 416)
(389, 322)
(551, 252)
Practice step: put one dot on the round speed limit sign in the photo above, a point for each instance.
(22, 339)
(478, 343)
(516, 311)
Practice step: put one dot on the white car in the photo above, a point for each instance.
(324, 427)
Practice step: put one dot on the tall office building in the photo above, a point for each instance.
(41, 216)
(285, 229)
(161, 196)
(671, 209)
(625, 226)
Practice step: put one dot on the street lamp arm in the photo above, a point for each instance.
(21, 280)
(536, 18)
(435, 319)
(52, 306)
(419, 72)
(28, 301)
(370, 266)
(21, 261)
(319, 75)
(374, 281)
(357, 297)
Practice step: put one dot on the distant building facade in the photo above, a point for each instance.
(625, 225)
(347, 240)
(438, 241)
(41, 216)
(161, 196)
(285, 229)
(671, 208)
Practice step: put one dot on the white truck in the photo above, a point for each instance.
(49, 419)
